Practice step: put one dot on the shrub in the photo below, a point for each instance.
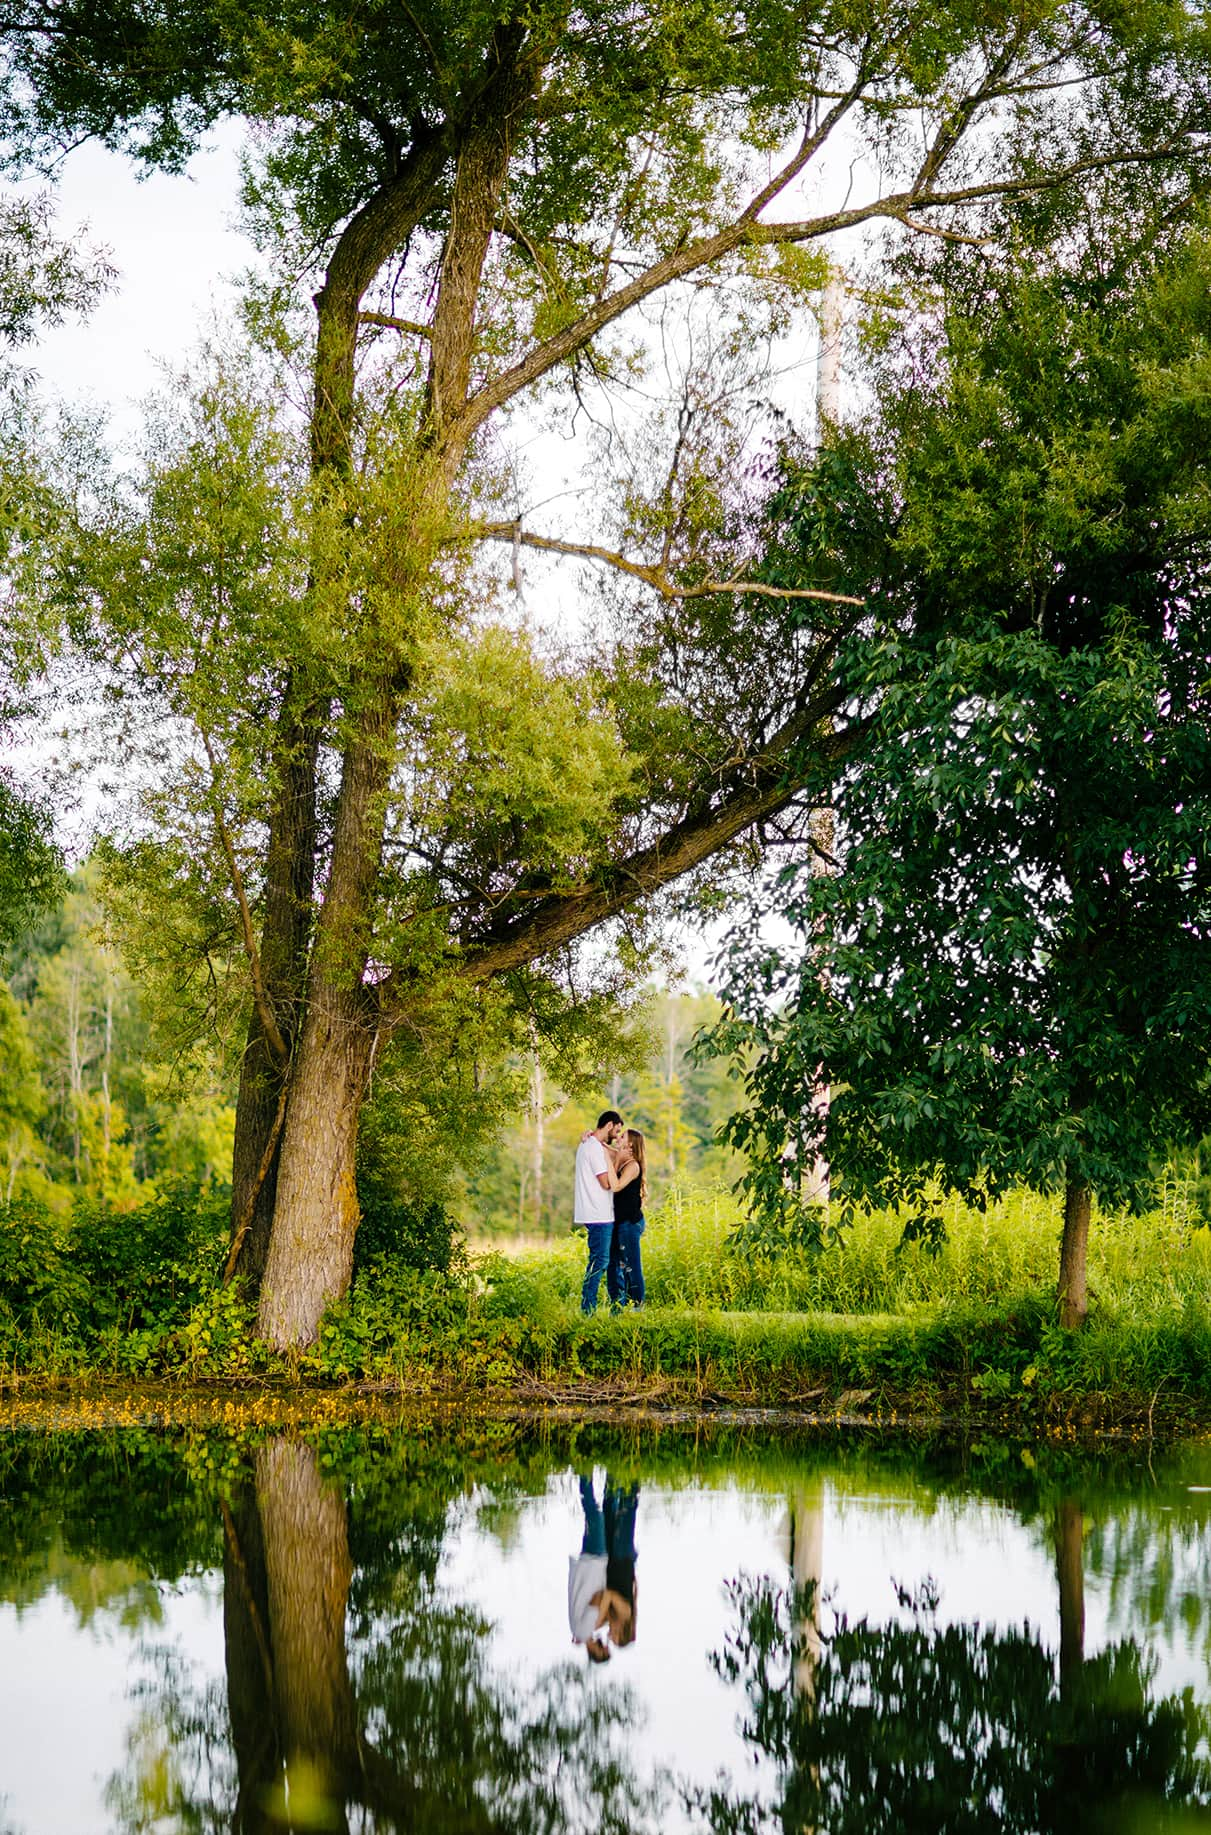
(393, 1230)
(144, 1269)
(38, 1277)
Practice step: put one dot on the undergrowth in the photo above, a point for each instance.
(863, 1323)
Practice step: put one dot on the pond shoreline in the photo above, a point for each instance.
(72, 1404)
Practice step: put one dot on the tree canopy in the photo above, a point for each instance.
(1010, 978)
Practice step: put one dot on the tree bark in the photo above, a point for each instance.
(1073, 1296)
(285, 938)
(310, 1259)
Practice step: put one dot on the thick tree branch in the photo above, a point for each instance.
(764, 785)
(654, 576)
(369, 239)
(243, 1222)
(483, 168)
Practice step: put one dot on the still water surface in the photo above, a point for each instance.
(365, 1630)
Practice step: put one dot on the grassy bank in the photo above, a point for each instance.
(865, 1327)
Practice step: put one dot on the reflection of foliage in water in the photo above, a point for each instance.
(441, 1735)
(1155, 1569)
(96, 1517)
(550, 1759)
(137, 1510)
(337, 1709)
(947, 1728)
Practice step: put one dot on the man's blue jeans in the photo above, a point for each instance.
(599, 1235)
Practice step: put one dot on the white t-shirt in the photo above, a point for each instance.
(594, 1203)
(586, 1576)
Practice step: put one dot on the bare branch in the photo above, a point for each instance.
(810, 144)
(409, 326)
(654, 576)
(748, 232)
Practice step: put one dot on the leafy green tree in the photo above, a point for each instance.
(497, 188)
(1010, 979)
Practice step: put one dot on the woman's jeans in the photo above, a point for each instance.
(599, 1235)
(624, 1276)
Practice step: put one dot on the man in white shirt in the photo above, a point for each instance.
(596, 1183)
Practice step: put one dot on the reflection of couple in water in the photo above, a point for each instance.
(601, 1578)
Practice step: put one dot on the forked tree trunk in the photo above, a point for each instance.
(315, 1214)
(1073, 1295)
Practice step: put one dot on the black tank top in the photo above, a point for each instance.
(628, 1203)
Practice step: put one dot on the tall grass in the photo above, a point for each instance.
(1156, 1264)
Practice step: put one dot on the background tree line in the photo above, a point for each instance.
(96, 1104)
(90, 1104)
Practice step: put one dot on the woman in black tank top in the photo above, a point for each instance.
(624, 1276)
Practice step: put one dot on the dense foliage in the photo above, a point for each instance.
(1010, 978)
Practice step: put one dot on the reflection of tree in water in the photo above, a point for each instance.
(925, 1727)
(407, 1729)
(1154, 1568)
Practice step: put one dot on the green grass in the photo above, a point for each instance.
(1153, 1263)
(864, 1324)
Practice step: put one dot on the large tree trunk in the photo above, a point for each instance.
(382, 225)
(289, 887)
(1073, 1295)
(315, 1217)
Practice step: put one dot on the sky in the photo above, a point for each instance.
(178, 250)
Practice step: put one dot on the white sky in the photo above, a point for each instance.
(177, 249)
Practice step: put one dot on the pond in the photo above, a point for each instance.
(372, 1628)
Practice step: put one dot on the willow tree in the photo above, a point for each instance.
(501, 188)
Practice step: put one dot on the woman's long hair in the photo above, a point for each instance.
(636, 1144)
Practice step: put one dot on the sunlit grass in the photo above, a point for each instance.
(1158, 1263)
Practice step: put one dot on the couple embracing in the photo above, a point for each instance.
(611, 1184)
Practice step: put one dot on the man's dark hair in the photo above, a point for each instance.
(610, 1115)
